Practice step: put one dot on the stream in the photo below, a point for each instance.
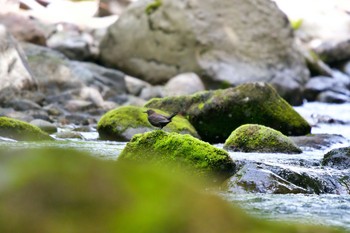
(324, 209)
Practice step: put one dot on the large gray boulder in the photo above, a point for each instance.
(228, 42)
(14, 71)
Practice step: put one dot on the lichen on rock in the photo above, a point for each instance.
(122, 123)
(21, 131)
(179, 151)
(259, 138)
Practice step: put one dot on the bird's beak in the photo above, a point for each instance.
(144, 112)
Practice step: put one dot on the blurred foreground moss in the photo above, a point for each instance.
(55, 190)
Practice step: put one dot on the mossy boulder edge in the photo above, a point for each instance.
(122, 123)
(215, 114)
(182, 151)
(73, 192)
(259, 138)
(21, 131)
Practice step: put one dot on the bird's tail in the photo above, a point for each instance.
(172, 115)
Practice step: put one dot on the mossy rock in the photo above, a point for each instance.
(21, 131)
(122, 123)
(56, 190)
(259, 138)
(215, 114)
(176, 150)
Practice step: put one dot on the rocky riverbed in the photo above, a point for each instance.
(74, 86)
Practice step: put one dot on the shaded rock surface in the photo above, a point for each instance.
(216, 40)
(183, 84)
(319, 141)
(215, 114)
(123, 123)
(257, 177)
(14, 72)
(176, 150)
(337, 158)
(251, 178)
(23, 28)
(258, 138)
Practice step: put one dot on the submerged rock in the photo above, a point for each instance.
(176, 150)
(123, 123)
(215, 114)
(259, 138)
(266, 177)
(337, 158)
(21, 131)
(319, 141)
(254, 179)
(74, 192)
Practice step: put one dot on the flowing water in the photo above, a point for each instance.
(324, 209)
(327, 209)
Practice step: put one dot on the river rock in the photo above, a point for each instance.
(228, 43)
(337, 158)
(183, 84)
(108, 190)
(259, 138)
(23, 28)
(334, 51)
(45, 126)
(21, 131)
(253, 179)
(73, 43)
(135, 85)
(109, 82)
(51, 69)
(23, 104)
(150, 92)
(319, 141)
(176, 150)
(123, 123)
(328, 89)
(260, 177)
(14, 71)
(215, 114)
(333, 97)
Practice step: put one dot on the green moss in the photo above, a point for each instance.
(153, 6)
(215, 114)
(296, 24)
(176, 150)
(114, 124)
(68, 191)
(21, 131)
(258, 138)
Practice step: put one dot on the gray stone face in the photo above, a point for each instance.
(14, 71)
(228, 42)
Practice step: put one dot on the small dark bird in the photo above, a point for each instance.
(159, 120)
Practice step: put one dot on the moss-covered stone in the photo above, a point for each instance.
(215, 114)
(123, 123)
(21, 131)
(153, 6)
(259, 138)
(67, 191)
(176, 150)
